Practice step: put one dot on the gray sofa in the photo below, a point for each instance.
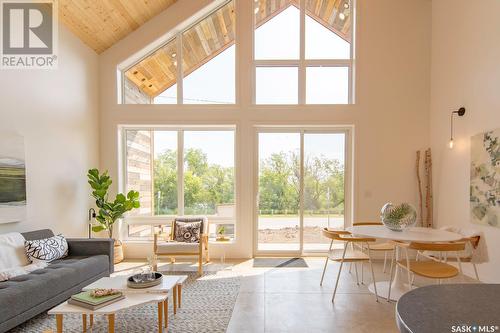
(26, 296)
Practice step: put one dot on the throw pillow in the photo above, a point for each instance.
(48, 249)
(187, 232)
(12, 252)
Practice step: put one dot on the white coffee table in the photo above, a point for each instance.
(131, 300)
(169, 284)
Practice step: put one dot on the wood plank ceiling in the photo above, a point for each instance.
(102, 23)
(209, 37)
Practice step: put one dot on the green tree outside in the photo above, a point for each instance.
(208, 185)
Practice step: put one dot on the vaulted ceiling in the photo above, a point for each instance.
(102, 23)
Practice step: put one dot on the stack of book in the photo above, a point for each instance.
(86, 300)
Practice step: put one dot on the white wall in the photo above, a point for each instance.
(57, 113)
(465, 72)
(390, 116)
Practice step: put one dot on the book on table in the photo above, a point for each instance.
(86, 300)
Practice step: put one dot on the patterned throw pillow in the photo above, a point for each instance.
(48, 249)
(187, 232)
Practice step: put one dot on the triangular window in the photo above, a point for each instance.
(206, 53)
(313, 69)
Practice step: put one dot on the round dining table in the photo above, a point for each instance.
(414, 234)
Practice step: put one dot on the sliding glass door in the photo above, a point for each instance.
(279, 188)
(301, 188)
(324, 184)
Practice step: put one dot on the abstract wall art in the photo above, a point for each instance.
(12, 178)
(485, 178)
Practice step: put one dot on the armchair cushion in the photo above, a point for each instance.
(177, 248)
(188, 232)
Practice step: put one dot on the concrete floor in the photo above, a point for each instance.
(291, 299)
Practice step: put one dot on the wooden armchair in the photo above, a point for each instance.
(171, 248)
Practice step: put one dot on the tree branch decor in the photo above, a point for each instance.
(109, 211)
(419, 182)
(428, 189)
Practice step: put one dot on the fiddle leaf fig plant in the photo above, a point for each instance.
(109, 211)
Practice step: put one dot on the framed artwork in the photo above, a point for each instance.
(12, 178)
(485, 178)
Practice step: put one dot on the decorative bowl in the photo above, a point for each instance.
(398, 217)
(142, 282)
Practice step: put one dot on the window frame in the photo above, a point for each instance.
(177, 36)
(155, 220)
(302, 63)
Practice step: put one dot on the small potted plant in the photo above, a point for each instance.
(110, 211)
(221, 234)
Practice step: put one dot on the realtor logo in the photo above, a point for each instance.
(29, 34)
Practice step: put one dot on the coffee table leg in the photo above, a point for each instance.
(84, 322)
(59, 323)
(91, 320)
(175, 300)
(179, 296)
(165, 312)
(111, 323)
(160, 317)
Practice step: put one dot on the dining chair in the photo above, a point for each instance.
(432, 269)
(347, 254)
(385, 247)
(465, 256)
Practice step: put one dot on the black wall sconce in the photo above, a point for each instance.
(460, 113)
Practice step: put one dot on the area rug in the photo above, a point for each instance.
(207, 306)
(279, 262)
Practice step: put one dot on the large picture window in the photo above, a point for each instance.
(303, 51)
(186, 171)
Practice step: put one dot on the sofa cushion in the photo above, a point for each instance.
(37, 234)
(86, 267)
(23, 292)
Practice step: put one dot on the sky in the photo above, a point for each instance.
(277, 39)
(329, 145)
(217, 145)
(214, 82)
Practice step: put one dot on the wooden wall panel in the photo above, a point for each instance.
(138, 163)
(134, 95)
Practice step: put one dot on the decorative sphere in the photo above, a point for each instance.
(398, 217)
